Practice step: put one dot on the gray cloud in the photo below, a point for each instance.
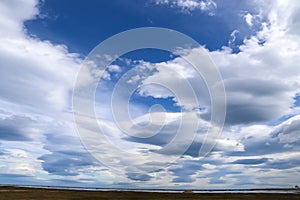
(251, 161)
(254, 87)
(284, 164)
(253, 100)
(66, 163)
(165, 135)
(183, 171)
(138, 176)
(20, 179)
(12, 128)
(67, 154)
(291, 133)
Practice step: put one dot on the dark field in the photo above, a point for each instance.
(11, 193)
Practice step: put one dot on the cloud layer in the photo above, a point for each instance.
(260, 141)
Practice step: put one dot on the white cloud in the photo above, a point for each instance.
(177, 79)
(114, 68)
(264, 76)
(190, 5)
(232, 38)
(249, 18)
(12, 22)
(36, 80)
(261, 80)
(22, 159)
(261, 83)
(34, 73)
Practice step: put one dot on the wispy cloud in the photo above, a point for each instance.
(190, 5)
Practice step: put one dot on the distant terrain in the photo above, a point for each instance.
(24, 193)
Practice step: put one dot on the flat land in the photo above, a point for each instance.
(12, 193)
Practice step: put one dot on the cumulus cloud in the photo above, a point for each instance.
(12, 22)
(35, 74)
(173, 78)
(261, 82)
(36, 80)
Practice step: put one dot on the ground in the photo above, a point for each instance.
(13, 193)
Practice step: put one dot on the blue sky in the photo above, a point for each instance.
(254, 45)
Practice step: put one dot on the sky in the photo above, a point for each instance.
(46, 51)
